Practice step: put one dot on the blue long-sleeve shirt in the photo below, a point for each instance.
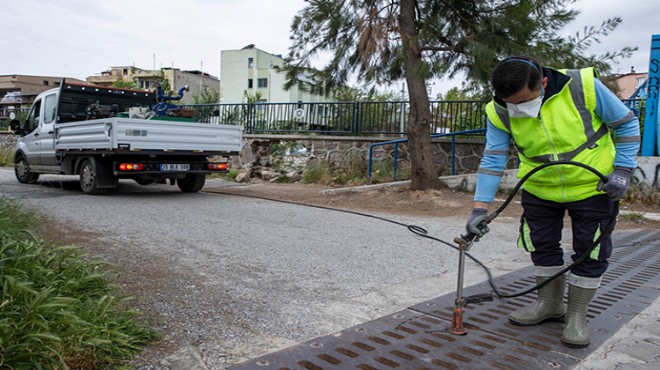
(611, 111)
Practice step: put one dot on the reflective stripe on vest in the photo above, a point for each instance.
(566, 129)
(577, 94)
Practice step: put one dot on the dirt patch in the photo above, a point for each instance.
(402, 200)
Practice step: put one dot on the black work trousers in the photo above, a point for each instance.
(541, 226)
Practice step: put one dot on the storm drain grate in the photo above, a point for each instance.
(417, 338)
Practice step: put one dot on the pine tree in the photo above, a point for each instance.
(382, 41)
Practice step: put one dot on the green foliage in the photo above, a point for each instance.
(355, 94)
(383, 171)
(283, 179)
(166, 85)
(634, 217)
(207, 96)
(57, 309)
(352, 170)
(366, 39)
(229, 175)
(252, 98)
(21, 114)
(121, 84)
(7, 155)
(317, 172)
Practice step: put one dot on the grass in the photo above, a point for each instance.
(634, 217)
(6, 155)
(57, 308)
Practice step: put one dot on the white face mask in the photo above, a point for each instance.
(528, 109)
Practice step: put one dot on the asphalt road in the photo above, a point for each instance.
(231, 278)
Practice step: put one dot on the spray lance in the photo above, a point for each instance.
(466, 241)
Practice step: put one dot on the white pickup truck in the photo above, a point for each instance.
(63, 135)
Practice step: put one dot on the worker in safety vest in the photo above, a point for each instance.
(555, 115)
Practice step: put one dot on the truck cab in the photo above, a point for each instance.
(104, 134)
(37, 143)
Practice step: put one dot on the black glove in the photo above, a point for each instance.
(474, 224)
(617, 183)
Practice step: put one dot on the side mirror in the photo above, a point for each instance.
(15, 126)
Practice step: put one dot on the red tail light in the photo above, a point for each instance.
(217, 166)
(131, 167)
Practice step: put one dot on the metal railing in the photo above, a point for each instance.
(348, 118)
(396, 143)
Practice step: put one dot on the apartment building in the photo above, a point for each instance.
(145, 79)
(253, 72)
(629, 83)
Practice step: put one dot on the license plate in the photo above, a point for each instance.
(174, 167)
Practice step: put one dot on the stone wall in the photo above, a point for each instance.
(338, 150)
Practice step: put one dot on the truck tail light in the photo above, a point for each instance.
(131, 167)
(217, 166)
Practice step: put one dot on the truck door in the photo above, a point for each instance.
(46, 131)
(31, 135)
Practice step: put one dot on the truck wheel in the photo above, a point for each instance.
(23, 173)
(88, 179)
(191, 183)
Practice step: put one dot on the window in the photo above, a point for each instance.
(639, 81)
(45, 82)
(50, 108)
(32, 120)
(249, 83)
(250, 62)
(262, 82)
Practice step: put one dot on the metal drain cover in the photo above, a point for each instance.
(417, 338)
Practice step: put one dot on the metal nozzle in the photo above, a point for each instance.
(457, 322)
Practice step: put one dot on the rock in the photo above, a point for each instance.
(293, 176)
(243, 177)
(267, 175)
(264, 161)
(246, 154)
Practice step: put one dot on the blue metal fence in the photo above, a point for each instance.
(396, 143)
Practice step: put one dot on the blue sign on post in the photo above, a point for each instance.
(651, 136)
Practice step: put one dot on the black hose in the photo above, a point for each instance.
(608, 229)
(420, 231)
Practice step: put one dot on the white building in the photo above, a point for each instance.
(251, 70)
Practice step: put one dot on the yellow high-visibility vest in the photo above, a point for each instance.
(567, 129)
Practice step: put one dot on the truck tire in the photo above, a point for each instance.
(23, 173)
(88, 180)
(191, 183)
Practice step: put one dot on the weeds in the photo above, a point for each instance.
(57, 310)
(641, 193)
(317, 172)
(6, 155)
(634, 217)
(383, 171)
(227, 176)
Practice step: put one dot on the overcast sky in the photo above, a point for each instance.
(79, 38)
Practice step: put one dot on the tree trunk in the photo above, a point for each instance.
(424, 174)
